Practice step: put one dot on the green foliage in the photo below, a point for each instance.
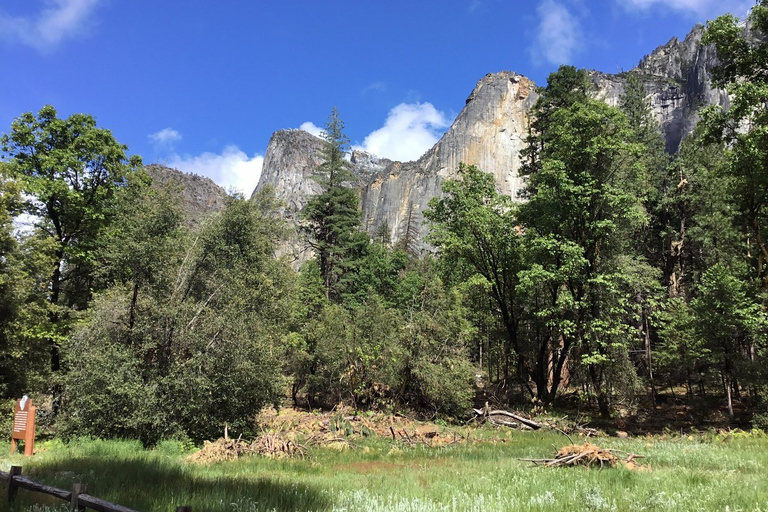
(744, 125)
(682, 350)
(353, 345)
(146, 236)
(71, 170)
(355, 353)
(565, 87)
(332, 218)
(24, 266)
(381, 271)
(585, 207)
(195, 345)
(474, 227)
(400, 341)
(731, 322)
(335, 169)
(437, 375)
(725, 314)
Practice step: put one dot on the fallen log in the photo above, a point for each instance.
(503, 423)
(485, 413)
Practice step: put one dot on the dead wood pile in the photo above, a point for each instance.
(589, 454)
(266, 445)
(291, 433)
(516, 420)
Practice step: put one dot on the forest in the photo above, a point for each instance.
(623, 277)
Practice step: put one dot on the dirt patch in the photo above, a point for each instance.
(291, 432)
(350, 424)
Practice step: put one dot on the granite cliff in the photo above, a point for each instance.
(678, 79)
(489, 132)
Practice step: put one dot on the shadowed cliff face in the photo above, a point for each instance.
(678, 80)
(489, 132)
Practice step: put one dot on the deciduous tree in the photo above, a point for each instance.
(70, 170)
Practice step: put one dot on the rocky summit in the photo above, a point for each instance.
(489, 132)
(198, 196)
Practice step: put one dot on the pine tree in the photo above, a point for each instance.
(332, 218)
(409, 232)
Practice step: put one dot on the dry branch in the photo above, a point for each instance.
(588, 454)
(488, 415)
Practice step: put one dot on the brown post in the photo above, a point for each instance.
(24, 425)
(12, 487)
(77, 490)
(29, 438)
(185, 508)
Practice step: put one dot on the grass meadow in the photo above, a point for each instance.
(700, 472)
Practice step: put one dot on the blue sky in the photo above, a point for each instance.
(202, 85)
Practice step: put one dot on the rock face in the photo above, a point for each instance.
(291, 158)
(199, 196)
(489, 132)
(678, 79)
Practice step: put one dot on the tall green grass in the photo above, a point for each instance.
(699, 473)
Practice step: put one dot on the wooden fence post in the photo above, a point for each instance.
(185, 508)
(77, 490)
(12, 487)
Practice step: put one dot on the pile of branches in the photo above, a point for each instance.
(501, 418)
(266, 445)
(589, 454)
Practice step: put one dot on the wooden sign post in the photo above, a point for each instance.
(24, 425)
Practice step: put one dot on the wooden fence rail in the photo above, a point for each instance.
(78, 497)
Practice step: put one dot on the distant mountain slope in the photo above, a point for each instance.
(200, 196)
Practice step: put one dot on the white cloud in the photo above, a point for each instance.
(409, 131)
(374, 87)
(559, 33)
(165, 137)
(61, 20)
(702, 8)
(310, 127)
(231, 169)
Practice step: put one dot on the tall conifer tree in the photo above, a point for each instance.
(332, 218)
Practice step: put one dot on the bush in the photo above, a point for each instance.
(183, 354)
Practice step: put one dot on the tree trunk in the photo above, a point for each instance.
(603, 403)
(132, 311)
(729, 397)
(53, 316)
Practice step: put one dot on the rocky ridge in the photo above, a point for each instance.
(198, 196)
(489, 132)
